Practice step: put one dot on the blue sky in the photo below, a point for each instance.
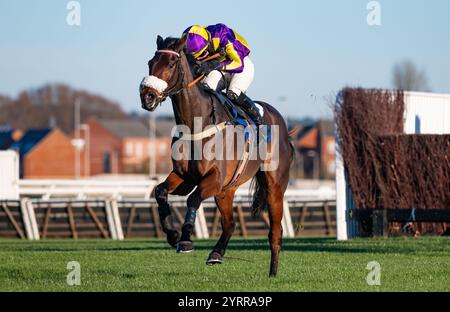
(303, 50)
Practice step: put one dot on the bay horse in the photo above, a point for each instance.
(170, 73)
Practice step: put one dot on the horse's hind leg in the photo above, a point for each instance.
(172, 185)
(275, 192)
(224, 203)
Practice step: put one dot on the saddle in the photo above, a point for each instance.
(237, 116)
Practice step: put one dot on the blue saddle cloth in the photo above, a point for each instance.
(238, 116)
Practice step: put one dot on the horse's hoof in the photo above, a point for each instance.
(214, 258)
(172, 238)
(185, 247)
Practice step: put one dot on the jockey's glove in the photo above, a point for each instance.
(207, 67)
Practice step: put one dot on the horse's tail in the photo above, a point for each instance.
(259, 183)
(259, 188)
(292, 136)
(293, 151)
(293, 133)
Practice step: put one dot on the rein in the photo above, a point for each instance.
(180, 78)
(204, 134)
(212, 57)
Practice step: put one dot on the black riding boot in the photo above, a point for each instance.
(248, 105)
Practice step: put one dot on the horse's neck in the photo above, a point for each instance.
(191, 102)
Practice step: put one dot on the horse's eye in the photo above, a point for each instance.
(171, 65)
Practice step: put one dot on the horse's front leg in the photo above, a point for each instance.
(208, 187)
(173, 184)
(224, 203)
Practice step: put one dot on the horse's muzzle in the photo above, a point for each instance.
(149, 101)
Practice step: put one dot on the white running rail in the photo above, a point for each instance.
(119, 189)
(82, 189)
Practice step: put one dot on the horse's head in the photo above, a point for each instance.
(165, 74)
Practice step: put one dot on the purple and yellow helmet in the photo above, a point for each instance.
(197, 40)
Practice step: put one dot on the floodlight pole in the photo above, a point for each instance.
(77, 136)
(152, 146)
(87, 149)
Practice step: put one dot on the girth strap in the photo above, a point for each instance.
(204, 134)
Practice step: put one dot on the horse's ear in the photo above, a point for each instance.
(159, 42)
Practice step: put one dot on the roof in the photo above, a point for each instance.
(5, 127)
(327, 126)
(303, 130)
(308, 139)
(31, 138)
(126, 128)
(137, 128)
(6, 139)
(164, 127)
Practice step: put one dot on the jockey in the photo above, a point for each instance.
(234, 67)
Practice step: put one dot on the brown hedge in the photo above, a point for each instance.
(385, 168)
(414, 171)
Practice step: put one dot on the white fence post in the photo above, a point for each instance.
(117, 221)
(9, 173)
(288, 228)
(26, 219)
(201, 220)
(33, 221)
(113, 217)
(201, 228)
(341, 195)
(110, 219)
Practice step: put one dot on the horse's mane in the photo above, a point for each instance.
(176, 44)
(169, 43)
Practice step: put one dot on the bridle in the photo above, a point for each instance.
(178, 86)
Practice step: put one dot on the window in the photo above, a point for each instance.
(331, 167)
(129, 149)
(106, 162)
(162, 149)
(151, 149)
(139, 150)
(330, 147)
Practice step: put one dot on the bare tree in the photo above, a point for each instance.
(406, 76)
(52, 105)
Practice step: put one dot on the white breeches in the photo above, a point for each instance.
(237, 83)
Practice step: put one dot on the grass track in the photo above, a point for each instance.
(309, 264)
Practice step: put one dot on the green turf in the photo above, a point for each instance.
(310, 264)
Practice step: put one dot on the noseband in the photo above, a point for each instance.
(178, 86)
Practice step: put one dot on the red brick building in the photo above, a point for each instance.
(99, 147)
(102, 149)
(315, 151)
(138, 147)
(46, 153)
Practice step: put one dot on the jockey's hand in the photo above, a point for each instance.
(207, 67)
(222, 52)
